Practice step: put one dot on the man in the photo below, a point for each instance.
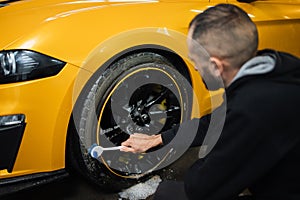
(259, 147)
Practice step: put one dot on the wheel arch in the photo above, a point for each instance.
(176, 60)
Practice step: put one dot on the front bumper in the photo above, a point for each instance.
(11, 134)
(47, 105)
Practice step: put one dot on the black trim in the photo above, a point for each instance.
(10, 140)
(11, 185)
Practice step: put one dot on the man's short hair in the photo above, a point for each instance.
(226, 32)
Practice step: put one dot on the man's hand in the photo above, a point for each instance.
(138, 143)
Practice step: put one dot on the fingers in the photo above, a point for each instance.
(128, 149)
(127, 145)
(139, 143)
(134, 139)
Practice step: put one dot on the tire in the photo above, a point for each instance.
(141, 93)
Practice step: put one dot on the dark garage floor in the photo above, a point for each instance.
(75, 188)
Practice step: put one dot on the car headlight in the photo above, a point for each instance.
(23, 65)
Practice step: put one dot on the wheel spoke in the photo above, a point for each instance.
(159, 112)
(156, 99)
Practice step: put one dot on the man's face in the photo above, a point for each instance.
(202, 63)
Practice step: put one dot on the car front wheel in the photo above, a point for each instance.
(141, 93)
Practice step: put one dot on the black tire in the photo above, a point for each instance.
(109, 110)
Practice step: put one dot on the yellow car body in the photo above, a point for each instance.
(87, 35)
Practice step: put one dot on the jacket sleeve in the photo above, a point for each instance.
(242, 155)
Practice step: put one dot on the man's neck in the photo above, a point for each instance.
(228, 76)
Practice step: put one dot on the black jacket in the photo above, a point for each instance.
(259, 146)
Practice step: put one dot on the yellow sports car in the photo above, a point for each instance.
(74, 73)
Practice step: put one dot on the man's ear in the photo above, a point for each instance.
(217, 66)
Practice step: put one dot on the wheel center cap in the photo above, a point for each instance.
(140, 116)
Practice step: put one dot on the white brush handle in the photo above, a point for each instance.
(112, 148)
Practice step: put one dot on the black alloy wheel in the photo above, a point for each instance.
(141, 93)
